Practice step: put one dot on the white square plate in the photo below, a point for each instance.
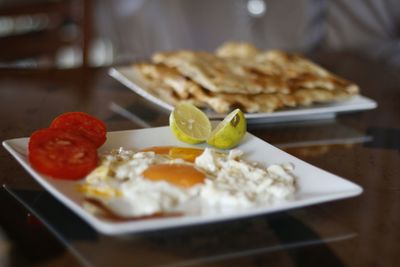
(128, 77)
(314, 185)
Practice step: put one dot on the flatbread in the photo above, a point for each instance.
(298, 72)
(240, 75)
(172, 87)
(223, 75)
(237, 50)
(165, 83)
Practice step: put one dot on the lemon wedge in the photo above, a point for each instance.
(229, 132)
(189, 124)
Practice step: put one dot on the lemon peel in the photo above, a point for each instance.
(229, 132)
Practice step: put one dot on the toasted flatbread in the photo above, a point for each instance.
(172, 87)
(223, 103)
(300, 72)
(237, 50)
(165, 83)
(223, 75)
(297, 71)
(240, 75)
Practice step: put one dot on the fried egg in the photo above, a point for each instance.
(163, 180)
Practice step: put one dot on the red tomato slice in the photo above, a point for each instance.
(61, 154)
(88, 126)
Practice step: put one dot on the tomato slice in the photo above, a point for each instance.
(88, 126)
(61, 154)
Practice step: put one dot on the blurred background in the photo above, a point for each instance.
(81, 33)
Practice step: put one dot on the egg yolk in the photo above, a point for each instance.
(178, 174)
(159, 150)
(185, 153)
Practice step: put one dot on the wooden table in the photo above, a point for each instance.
(362, 147)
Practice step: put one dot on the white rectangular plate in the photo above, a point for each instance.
(314, 185)
(128, 77)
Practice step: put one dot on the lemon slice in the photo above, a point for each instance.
(189, 124)
(230, 131)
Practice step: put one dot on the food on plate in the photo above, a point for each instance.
(61, 153)
(240, 75)
(189, 124)
(168, 84)
(90, 127)
(185, 153)
(237, 50)
(220, 75)
(132, 184)
(68, 149)
(229, 132)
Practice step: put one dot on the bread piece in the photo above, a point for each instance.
(240, 75)
(165, 83)
(300, 72)
(237, 50)
(171, 87)
(222, 75)
(223, 103)
(296, 71)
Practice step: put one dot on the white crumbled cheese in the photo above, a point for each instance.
(207, 161)
(239, 184)
(235, 154)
